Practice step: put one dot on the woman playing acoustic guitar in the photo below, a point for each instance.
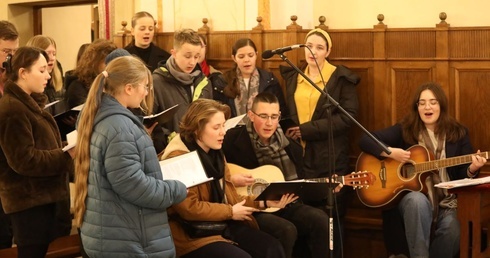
(429, 124)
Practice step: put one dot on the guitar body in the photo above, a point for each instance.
(395, 178)
(263, 175)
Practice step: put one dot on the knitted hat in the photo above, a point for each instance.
(118, 52)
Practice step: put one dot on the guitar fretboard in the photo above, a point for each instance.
(449, 162)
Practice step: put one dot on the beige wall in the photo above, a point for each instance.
(241, 14)
(399, 13)
(69, 33)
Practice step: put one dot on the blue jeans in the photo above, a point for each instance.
(416, 211)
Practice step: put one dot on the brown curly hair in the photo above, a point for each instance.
(92, 58)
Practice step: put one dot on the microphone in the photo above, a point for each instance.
(269, 53)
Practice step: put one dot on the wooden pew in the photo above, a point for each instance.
(63, 247)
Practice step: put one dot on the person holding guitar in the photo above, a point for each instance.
(202, 129)
(430, 125)
(262, 142)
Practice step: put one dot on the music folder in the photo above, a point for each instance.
(308, 191)
(59, 109)
(162, 117)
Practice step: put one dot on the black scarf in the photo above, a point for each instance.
(214, 165)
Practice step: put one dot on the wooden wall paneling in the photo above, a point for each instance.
(469, 43)
(472, 87)
(357, 44)
(220, 49)
(365, 71)
(164, 40)
(406, 76)
(410, 43)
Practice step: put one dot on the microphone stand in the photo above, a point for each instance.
(329, 102)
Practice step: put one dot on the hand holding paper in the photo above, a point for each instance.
(71, 138)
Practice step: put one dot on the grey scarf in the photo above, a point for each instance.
(178, 74)
(274, 153)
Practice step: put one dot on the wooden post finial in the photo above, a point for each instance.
(294, 25)
(259, 24)
(443, 17)
(442, 24)
(205, 28)
(380, 24)
(322, 25)
(123, 28)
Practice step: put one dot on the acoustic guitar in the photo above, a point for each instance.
(266, 174)
(397, 178)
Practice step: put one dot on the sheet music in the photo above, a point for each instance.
(232, 122)
(78, 108)
(464, 182)
(186, 168)
(51, 103)
(71, 138)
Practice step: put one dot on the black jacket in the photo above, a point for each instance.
(156, 55)
(268, 82)
(238, 149)
(342, 87)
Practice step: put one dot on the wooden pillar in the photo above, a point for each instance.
(159, 15)
(442, 64)
(293, 31)
(379, 94)
(265, 13)
(257, 36)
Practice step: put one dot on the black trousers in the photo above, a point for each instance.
(250, 242)
(36, 227)
(5, 229)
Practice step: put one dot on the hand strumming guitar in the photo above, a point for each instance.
(241, 180)
(397, 154)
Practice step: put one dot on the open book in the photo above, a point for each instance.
(71, 138)
(186, 168)
(162, 117)
(464, 182)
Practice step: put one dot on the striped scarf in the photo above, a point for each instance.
(274, 153)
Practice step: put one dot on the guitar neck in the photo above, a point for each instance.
(448, 162)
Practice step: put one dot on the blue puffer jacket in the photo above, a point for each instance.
(127, 198)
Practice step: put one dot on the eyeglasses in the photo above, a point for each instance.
(273, 117)
(431, 102)
(9, 51)
(146, 87)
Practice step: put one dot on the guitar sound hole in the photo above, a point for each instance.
(258, 188)
(407, 170)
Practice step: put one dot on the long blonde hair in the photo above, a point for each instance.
(43, 42)
(119, 72)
